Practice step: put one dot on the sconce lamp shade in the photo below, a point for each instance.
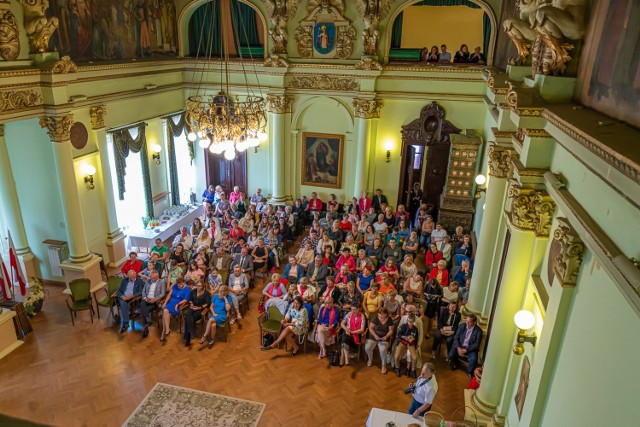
(88, 169)
(388, 145)
(481, 179)
(524, 320)
(156, 148)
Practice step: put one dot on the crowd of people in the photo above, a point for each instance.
(352, 285)
(462, 56)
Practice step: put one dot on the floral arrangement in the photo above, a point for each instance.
(34, 297)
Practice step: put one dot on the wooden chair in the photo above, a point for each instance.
(80, 298)
(270, 324)
(109, 300)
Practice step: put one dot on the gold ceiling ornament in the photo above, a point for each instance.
(499, 160)
(327, 14)
(64, 66)
(566, 264)
(222, 122)
(9, 33)
(19, 99)
(97, 116)
(279, 104)
(530, 209)
(367, 108)
(324, 82)
(546, 33)
(368, 64)
(276, 62)
(38, 26)
(58, 127)
(372, 12)
(280, 12)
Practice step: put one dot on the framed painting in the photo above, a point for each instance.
(322, 159)
(324, 36)
(521, 394)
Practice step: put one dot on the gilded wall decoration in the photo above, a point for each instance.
(530, 209)
(368, 64)
(279, 104)
(9, 33)
(372, 12)
(280, 12)
(97, 116)
(38, 25)
(324, 82)
(19, 99)
(276, 62)
(566, 264)
(58, 127)
(499, 160)
(325, 32)
(367, 108)
(547, 32)
(64, 65)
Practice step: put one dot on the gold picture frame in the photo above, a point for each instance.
(322, 156)
(523, 386)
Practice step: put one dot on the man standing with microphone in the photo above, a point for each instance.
(424, 391)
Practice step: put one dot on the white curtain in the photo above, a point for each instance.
(186, 170)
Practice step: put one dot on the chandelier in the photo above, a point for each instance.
(224, 123)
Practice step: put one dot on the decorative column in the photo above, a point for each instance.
(10, 207)
(81, 262)
(115, 242)
(529, 214)
(365, 111)
(500, 168)
(279, 105)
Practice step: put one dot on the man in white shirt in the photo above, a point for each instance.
(424, 392)
(185, 238)
(438, 234)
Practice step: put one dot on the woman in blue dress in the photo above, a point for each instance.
(220, 307)
(178, 294)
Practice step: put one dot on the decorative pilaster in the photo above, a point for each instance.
(58, 127)
(10, 208)
(97, 117)
(500, 168)
(530, 209)
(279, 105)
(365, 111)
(566, 263)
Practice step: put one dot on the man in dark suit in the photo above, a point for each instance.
(466, 342)
(448, 322)
(378, 200)
(244, 260)
(317, 272)
(221, 260)
(130, 288)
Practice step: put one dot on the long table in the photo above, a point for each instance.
(145, 238)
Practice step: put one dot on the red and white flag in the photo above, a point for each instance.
(15, 266)
(5, 280)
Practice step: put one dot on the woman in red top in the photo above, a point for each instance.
(345, 224)
(390, 269)
(440, 274)
(235, 231)
(364, 203)
(432, 257)
(332, 202)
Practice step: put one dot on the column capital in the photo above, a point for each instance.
(566, 263)
(58, 127)
(279, 104)
(1, 130)
(530, 209)
(97, 116)
(367, 108)
(499, 160)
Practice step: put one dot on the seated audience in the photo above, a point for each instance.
(477, 57)
(152, 293)
(238, 287)
(392, 305)
(196, 228)
(353, 324)
(444, 246)
(161, 250)
(448, 321)
(184, 237)
(260, 255)
(450, 294)
(198, 302)
(392, 252)
(179, 255)
(364, 280)
(326, 327)
(293, 272)
(407, 341)
(133, 263)
(178, 294)
(220, 308)
(208, 198)
(445, 56)
(372, 301)
(433, 295)
(462, 56)
(474, 384)
(463, 250)
(274, 289)
(380, 332)
(244, 261)
(349, 297)
(438, 234)
(413, 286)
(440, 273)
(130, 288)
(466, 342)
(317, 272)
(222, 262)
(305, 255)
(295, 324)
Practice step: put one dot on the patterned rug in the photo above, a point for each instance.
(168, 405)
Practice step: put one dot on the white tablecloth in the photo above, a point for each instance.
(145, 238)
(380, 417)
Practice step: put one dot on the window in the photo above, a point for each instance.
(186, 169)
(131, 210)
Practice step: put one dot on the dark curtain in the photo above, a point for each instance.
(205, 28)
(245, 27)
(123, 144)
(396, 32)
(486, 34)
(174, 130)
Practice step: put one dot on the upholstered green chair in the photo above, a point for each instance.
(80, 298)
(270, 324)
(109, 300)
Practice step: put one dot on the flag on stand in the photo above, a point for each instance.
(15, 266)
(5, 280)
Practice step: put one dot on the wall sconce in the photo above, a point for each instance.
(388, 145)
(88, 171)
(524, 321)
(480, 181)
(156, 149)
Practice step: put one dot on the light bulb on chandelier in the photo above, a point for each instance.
(262, 136)
(191, 136)
(230, 154)
(204, 143)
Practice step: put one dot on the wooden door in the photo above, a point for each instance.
(227, 173)
(436, 174)
(407, 176)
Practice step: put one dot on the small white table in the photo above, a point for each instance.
(145, 238)
(380, 417)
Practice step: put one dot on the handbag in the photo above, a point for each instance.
(261, 309)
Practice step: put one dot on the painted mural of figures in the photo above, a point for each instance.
(142, 30)
(156, 13)
(79, 27)
(64, 39)
(38, 26)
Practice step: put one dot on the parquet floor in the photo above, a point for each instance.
(90, 375)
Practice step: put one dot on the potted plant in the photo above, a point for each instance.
(35, 298)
